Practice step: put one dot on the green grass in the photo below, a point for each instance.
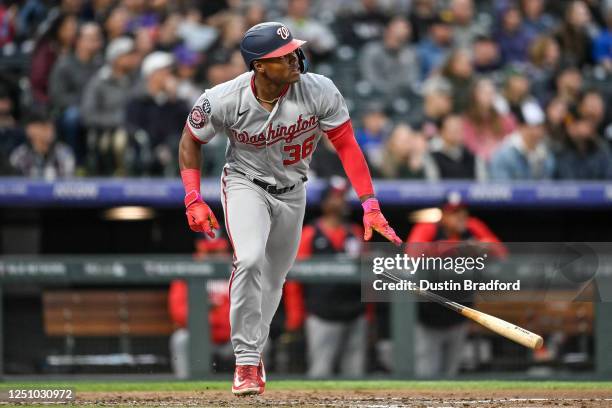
(120, 386)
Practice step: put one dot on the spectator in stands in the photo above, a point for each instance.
(406, 156)
(591, 106)
(569, 85)
(374, 132)
(535, 19)
(144, 41)
(29, 17)
(186, 70)
(435, 47)
(254, 13)
(556, 113)
(197, 35)
(210, 9)
(221, 58)
(524, 154)
(55, 41)
(573, 34)
(7, 24)
(363, 24)
(167, 37)
(458, 71)
(466, 25)
(513, 40)
(335, 323)
(11, 134)
(41, 156)
(450, 157)
(423, 14)
(487, 57)
(98, 10)
(440, 334)
(140, 15)
(484, 126)
(515, 93)
(103, 108)
(602, 45)
(69, 76)
(115, 25)
(437, 104)
(321, 41)
(583, 155)
(74, 7)
(391, 65)
(544, 63)
(155, 119)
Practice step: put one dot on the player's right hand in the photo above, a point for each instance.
(199, 215)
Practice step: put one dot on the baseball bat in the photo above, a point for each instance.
(495, 324)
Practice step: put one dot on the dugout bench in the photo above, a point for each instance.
(84, 313)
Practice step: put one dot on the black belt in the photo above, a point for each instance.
(271, 188)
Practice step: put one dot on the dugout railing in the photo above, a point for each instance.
(131, 271)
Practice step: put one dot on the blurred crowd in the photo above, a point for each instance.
(437, 89)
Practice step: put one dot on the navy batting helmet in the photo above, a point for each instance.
(269, 40)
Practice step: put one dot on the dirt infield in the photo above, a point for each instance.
(353, 398)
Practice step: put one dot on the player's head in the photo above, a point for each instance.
(333, 197)
(269, 49)
(454, 213)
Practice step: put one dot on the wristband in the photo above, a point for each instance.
(371, 204)
(191, 180)
(192, 197)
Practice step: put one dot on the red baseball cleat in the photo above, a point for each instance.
(247, 381)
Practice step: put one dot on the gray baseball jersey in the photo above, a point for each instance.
(264, 229)
(273, 146)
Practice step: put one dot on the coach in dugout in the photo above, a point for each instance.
(334, 316)
(440, 333)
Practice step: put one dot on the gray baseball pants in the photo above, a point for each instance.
(265, 232)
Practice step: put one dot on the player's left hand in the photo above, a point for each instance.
(374, 220)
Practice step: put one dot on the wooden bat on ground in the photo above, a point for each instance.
(499, 326)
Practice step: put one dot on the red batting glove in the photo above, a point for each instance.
(199, 214)
(374, 220)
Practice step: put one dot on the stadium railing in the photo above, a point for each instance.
(22, 192)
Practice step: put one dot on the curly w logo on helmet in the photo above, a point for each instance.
(283, 32)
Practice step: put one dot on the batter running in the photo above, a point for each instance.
(273, 116)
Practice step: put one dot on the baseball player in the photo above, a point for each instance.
(273, 117)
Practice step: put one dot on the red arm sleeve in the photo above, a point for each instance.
(352, 158)
(177, 303)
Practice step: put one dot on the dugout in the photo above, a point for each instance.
(53, 220)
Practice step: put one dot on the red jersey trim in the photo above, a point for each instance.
(193, 136)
